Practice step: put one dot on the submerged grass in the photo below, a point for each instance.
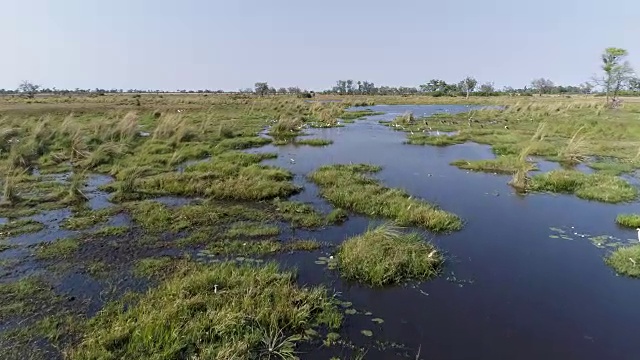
(384, 255)
(625, 261)
(23, 296)
(217, 311)
(350, 187)
(597, 187)
(628, 220)
(314, 142)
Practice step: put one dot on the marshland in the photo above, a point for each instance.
(224, 226)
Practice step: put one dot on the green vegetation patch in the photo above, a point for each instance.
(337, 216)
(58, 249)
(597, 187)
(499, 165)
(18, 227)
(314, 142)
(87, 219)
(299, 214)
(612, 167)
(149, 267)
(217, 311)
(435, 140)
(24, 296)
(349, 187)
(629, 220)
(249, 229)
(625, 261)
(259, 247)
(384, 255)
(111, 231)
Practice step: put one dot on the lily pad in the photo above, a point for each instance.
(377, 320)
(367, 333)
(368, 313)
(554, 236)
(322, 258)
(346, 304)
(320, 262)
(350, 311)
(558, 230)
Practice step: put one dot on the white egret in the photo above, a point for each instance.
(638, 233)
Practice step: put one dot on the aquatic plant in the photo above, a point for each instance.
(57, 249)
(629, 220)
(520, 179)
(597, 187)
(575, 151)
(385, 255)
(314, 142)
(499, 165)
(175, 319)
(299, 214)
(625, 260)
(286, 127)
(349, 187)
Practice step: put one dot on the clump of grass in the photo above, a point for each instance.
(575, 151)
(520, 179)
(149, 267)
(433, 140)
(111, 231)
(626, 261)
(85, 220)
(299, 214)
(248, 229)
(240, 143)
(499, 165)
(286, 127)
(24, 296)
(9, 192)
(127, 128)
(629, 220)
(384, 256)
(75, 195)
(597, 187)
(353, 115)
(244, 247)
(151, 215)
(302, 245)
(58, 249)
(18, 227)
(337, 216)
(404, 119)
(612, 167)
(349, 187)
(314, 142)
(214, 311)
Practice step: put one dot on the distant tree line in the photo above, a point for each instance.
(618, 78)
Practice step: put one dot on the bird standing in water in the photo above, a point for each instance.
(638, 233)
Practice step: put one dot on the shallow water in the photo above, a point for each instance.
(530, 296)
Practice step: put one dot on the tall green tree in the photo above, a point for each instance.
(261, 88)
(467, 85)
(617, 71)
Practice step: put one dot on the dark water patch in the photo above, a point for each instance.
(531, 296)
(96, 198)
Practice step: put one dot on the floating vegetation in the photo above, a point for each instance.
(600, 241)
(377, 321)
(367, 333)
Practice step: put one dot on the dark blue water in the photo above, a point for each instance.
(531, 296)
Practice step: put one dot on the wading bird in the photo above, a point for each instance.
(638, 233)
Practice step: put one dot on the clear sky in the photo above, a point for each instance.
(198, 44)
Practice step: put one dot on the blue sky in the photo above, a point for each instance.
(229, 45)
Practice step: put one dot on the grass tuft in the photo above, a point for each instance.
(62, 248)
(597, 187)
(625, 261)
(385, 255)
(349, 187)
(212, 311)
(629, 220)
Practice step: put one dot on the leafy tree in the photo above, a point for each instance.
(294, 90)
(634, 84)
(467, 85)
(282, 90)
(542, 85)
(617, 71)
(28, 88)
(261, 88)
(487, 89)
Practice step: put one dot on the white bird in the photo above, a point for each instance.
(638, 233)
(215, 289)
(292, 161)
